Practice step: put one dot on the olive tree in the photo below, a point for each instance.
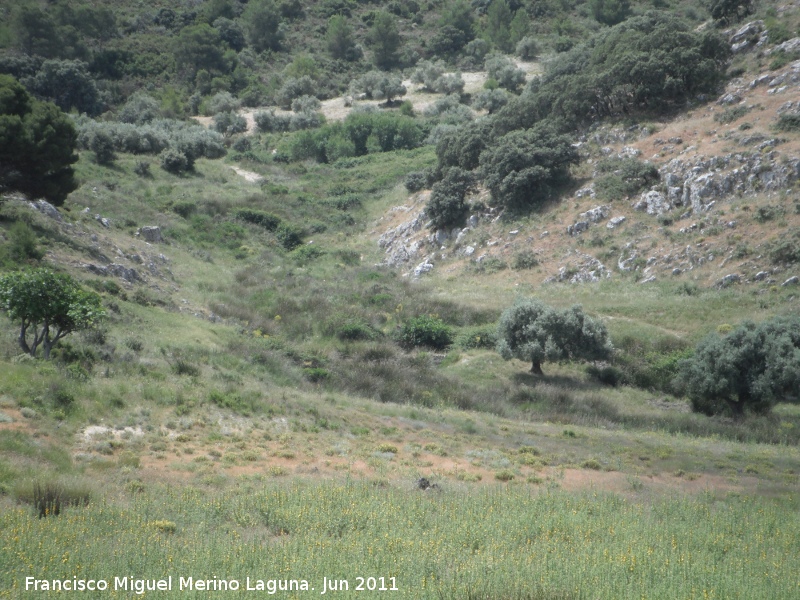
(749, 369)
(48, 307)
(534, 332)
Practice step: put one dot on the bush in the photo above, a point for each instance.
(524, 259)
(269, 122)
(491, 100)
(142, 169)
(527, 48)
(446, 206)
(222, 102)
(504, 72)
(378, 86)
(306, 104)
(263, 219)
(173, 161)
(622, 177)
(102, 145)
(523, 167)
(426, 331)
(416, 181)
(229, 123)
(139, 109)
(289, 236)
(788, 122)
(295, 87)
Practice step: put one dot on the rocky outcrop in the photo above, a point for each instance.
(584, 269)
(701, 182)
(151, 234)
(47, 209)
(751, 35)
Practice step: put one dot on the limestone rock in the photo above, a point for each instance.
(653, 202)
(791, 281)
(596, 214)
(47, 209)
(615, 222)
(422, 268)
(151, 234)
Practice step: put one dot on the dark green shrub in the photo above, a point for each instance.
(729, 115)
(447, 206)
(622, 177)
(786, 250)
(289, 236)
(185, 208)
(416, 181)
(306, 254)
(606, 375)
(263, 219)
(523, 168)
(524, 259)
(426, 331)
(788, 122)
(174, 162)
(142, 169)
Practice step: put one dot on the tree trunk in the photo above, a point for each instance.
(737, 408)
(23, 343)
(536, 368)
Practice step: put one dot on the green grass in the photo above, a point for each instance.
(491, 542)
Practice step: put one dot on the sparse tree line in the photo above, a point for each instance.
(748, 369)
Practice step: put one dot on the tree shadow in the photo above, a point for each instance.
(563, 381)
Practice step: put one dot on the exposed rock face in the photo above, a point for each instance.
(397, 242)
(653, 202)
(47, 209)
(151, 234)
(698, 183)
(587, 269)
(751, 35)
(116, 270)
(578, 227)
(422, 268)
(615, 222)
(729, 280)
(596, 214)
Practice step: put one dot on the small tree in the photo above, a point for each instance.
(339, 38)
(447, 206)
(751, 368)
(532, 331)
(48, 307)
(384, 39)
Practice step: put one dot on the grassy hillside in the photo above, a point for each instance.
(248, 408)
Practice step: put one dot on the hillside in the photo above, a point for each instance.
(262, 245)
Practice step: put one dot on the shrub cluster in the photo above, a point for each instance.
(426, 331)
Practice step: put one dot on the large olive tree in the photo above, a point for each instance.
(535, 332)
(749, 369)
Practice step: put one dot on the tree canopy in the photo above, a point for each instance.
(532, 331)
(523, 167)
(48, 307)
(749, 369)
(37, 145)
